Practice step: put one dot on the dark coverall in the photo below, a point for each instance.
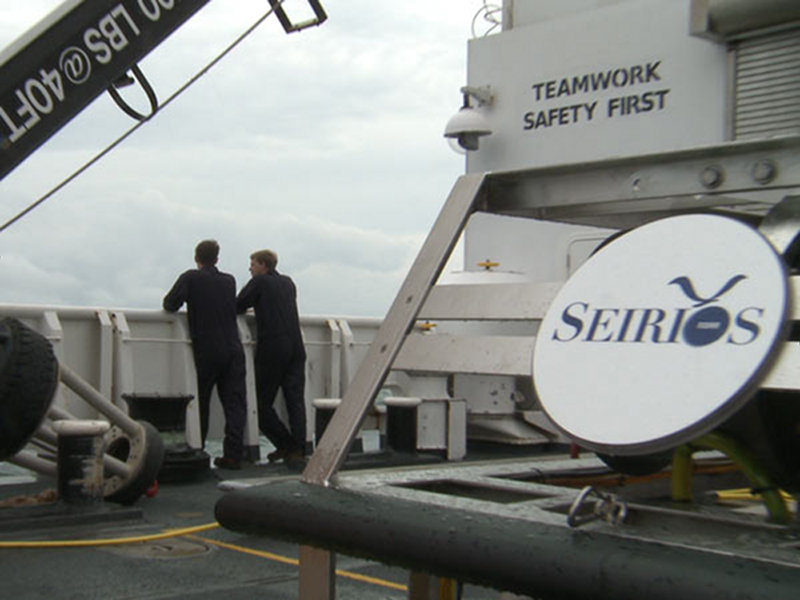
(218, 354)
(280, 357)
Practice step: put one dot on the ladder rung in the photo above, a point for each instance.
(498, 301)
(478, 354)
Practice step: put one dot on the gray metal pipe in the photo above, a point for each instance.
(28, 460)
(539, 559)
(734, 17)
(97, 401)
(49, 449)
(45, 435)
(57, 413)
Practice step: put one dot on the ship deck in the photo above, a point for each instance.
(438, 513)
(205, 561)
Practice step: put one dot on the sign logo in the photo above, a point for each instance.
(709, 324)
(660, 335)
(671, 324)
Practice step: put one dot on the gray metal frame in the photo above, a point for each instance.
(512, 534)
(744, 180)
(737, 179)
(720, 19)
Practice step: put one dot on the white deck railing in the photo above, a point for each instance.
(134, 351)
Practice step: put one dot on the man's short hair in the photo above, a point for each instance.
(207, 252)
(265, 257)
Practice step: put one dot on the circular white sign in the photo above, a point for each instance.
(660, 335)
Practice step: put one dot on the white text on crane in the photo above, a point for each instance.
(43, 91)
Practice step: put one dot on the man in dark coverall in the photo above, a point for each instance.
(280, 354)
(210, 296)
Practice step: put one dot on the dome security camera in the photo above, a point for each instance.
(468, 125)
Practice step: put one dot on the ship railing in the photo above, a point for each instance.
(124, 352)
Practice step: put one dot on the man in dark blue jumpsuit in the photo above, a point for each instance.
(210, 296)
(280, 354)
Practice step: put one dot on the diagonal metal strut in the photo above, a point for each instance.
(344, 425)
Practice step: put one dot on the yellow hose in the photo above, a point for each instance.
(747, 494)
(109, 541)
(187, 531)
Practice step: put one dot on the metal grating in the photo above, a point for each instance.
(768, 86)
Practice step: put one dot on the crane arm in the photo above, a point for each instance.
(78, 51)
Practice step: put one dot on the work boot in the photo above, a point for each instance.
(277, 455)
(295, 459)
(225, 462)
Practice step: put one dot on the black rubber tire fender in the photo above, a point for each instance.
(144, 454)
(28, 382)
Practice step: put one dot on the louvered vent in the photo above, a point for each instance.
(768, 86)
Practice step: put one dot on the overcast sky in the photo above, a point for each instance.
(324, 145)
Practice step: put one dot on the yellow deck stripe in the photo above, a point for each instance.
(295, 562)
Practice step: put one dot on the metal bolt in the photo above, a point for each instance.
(712, 177)
(764, 171)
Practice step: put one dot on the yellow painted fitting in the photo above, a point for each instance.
(448, 589)
(426, 326)
(747, 494)
(682, 473)
(742, 458)
(488, 264)
(778, 511)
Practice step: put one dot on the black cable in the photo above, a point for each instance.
(124, 136)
